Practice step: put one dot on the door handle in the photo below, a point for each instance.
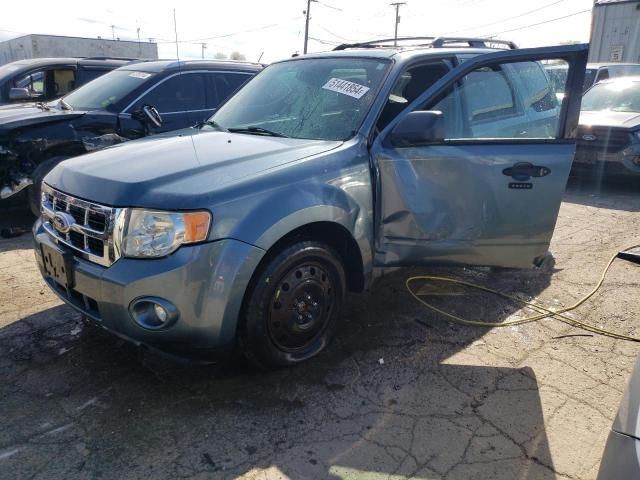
(523, 171)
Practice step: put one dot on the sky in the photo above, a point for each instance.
(272, 30)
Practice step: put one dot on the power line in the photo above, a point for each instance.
(476, 27)
(329, 6)
(336, 35)
(250, 30)
(324, 42)
(539, 23)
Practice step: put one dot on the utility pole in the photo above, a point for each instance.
(395, 35)
(306, 25)
(113, 32)
(204, 46)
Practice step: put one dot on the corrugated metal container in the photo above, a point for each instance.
(615, 31)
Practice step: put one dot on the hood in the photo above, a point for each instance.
(26, 114)
(628, 419)
(174, 171)
(607, 118)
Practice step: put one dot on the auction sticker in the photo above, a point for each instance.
(346, 87)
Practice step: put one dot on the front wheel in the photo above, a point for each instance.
(291, 308)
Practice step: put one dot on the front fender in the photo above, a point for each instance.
(266, 218)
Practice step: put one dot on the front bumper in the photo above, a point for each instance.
(205, 282)
(621, 458)
(625, 162)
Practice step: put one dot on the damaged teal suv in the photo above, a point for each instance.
(248, 231)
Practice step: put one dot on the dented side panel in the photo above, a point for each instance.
(454, 204)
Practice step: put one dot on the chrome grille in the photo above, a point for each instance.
(603, 139)
(86, 227)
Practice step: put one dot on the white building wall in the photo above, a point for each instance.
(41, 46)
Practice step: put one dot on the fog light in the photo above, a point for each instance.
(636, 161)
(153, 313)
(160, 312)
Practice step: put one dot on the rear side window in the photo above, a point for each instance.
(180, 93)
(64, 81)
(224, 85)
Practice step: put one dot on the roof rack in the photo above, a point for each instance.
(110, 58)
(432, 42)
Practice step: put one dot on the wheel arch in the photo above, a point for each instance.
(336, 236)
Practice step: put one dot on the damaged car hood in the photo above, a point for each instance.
(28, 114)
(178, 169)
(607, 118)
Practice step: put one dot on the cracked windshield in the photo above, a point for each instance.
(322, 99)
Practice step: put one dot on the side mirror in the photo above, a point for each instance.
(418, 128)
(19, 94)
(149, 116)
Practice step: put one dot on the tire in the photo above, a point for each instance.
(38, 175)
(291, 308)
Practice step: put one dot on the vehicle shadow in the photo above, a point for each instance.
(610, 193)
(392, 395)
(18, 221)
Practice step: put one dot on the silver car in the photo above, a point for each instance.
(248, 231)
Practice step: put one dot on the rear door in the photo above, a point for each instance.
(490, 191)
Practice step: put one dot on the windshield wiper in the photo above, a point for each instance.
(256, 131)
(43, 106)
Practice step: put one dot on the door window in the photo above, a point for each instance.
(511, 100)
(408, 87)
(181, 93)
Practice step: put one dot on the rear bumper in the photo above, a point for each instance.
(621, 458)
(205, 282)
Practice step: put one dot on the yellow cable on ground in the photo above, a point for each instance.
(543, 312)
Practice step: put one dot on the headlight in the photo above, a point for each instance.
(154, 233)
(637, 134)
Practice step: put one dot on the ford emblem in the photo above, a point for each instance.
(589, 137)
(62, 222)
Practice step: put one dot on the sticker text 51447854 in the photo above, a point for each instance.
(346, 87)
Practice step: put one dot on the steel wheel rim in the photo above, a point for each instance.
(301, 307)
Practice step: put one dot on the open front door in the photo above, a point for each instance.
(481, 181)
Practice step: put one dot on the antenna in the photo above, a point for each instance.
(175, 28)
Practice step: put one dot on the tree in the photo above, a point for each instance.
(220, 56)
(237, 56)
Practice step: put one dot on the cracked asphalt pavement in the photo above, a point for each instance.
(400, 393)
